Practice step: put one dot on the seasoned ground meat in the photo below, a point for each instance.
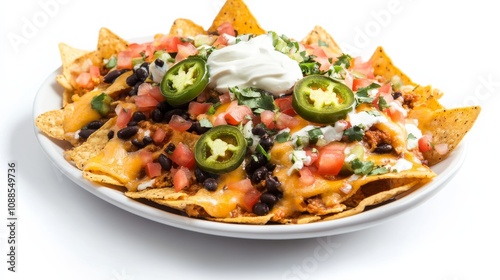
(410, 99)
(375, 138)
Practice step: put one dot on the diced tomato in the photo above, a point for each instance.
(321, 57)
(184, 51)
(364, 68)
(312, 155)
(225, 98)
(220, 42)
(349, 80)
(243, 186)
(145, 102)
(395, 114)
(285, 105)
(84, 80)
(183, 156)
(145, 156)
(169, 43)
(220, 119)
(425, 143)
(124, 60)
(159, 136)
(330, 159)
(226, 28)
(123, 117)
(153, 169)
(360, 83)
(236, 114)
(286, 121)
(267, 117)
(306, 176)
(156, 93)
(385, 89)
(94, 71)
(179, 123)
(250, 194)
(196, 108)
(249, 199)
(181, 178)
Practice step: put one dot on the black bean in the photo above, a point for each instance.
(255, 162)
(259, 175)
(157, 115)
(159, 62)
(85, 133)
(266, 142)
(132, 123)
(127, 132)
(146, 140)
(197, 128)
(137, 143)
(94, 125)
(260, 209)
(269, 199)
(258, 130)
(165, 162)
(383, 148)
(133, 91)
(273, 184)
(112, 75)
(111, 134)
(168, 115)
(164, 107)
(142, 73)
(396, 94)
(138, 116)
(170, 148)
(210, 184)
(132, 80)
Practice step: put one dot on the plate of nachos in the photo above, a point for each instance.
(239, 131)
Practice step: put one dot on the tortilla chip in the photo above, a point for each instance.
(119, 85)
(372, 200)
(319, 36)
(448, 126)
(68, 56)
(384, 67)
(186, 28)
(252, 220)
(237, 13)
(51, 123)
(91, 147)
(101, 179)
(109, 44)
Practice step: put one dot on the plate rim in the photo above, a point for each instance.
(445, 172)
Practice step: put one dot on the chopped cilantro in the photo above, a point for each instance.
(314, 135)
(344, 59)
(354, 133)
(261, 150)
(382, 103)
(256, 100)
(362, 95)
(367, 168)
(283, 137)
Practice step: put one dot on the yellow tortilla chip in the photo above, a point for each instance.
(109, 44)
(91, 147)
(448, 126)
(384, 67)
(237, 13)
(68, 56)
(51, 123)
(372, 200)
(186, 28)
(319, 36)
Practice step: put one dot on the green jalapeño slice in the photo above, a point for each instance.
(221, 149)
(320, 99)
(184, 81)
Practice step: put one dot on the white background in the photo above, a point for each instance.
(64, 232)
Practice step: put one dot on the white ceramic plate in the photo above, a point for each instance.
(49, 98)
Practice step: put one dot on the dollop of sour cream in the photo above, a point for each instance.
(253, 63)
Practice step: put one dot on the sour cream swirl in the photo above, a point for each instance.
(253, 63)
